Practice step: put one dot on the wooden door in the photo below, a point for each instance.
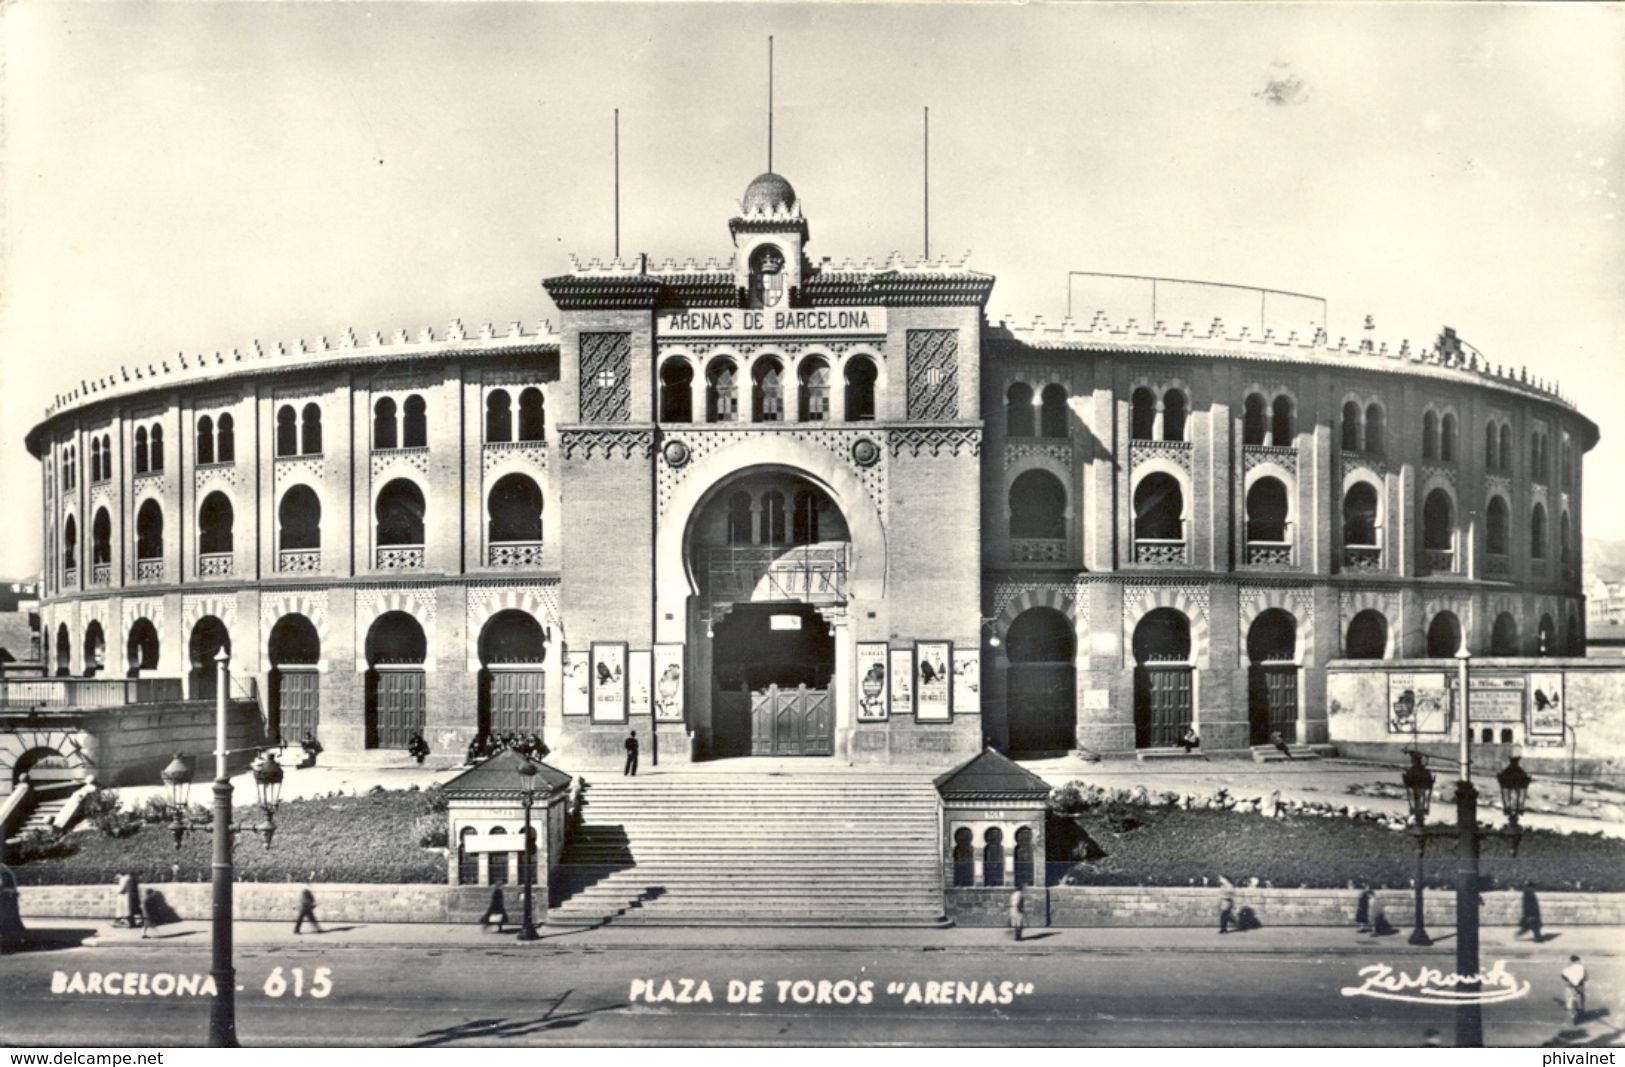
(517, 701)
(1042, 703)
(791, 722)
(397, 710)
(1162, 705)
(295, 703)
(1272, 702)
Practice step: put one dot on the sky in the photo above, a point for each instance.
(195, 176)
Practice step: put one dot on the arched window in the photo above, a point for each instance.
(1267, 511)
(1024, 856)
(804, 529)
(64, 650)
(814, 391)
(1282, 428)
(721, 392)
(1506, 450)
(773, 524)
(1159, 508)
(1504, 637)
(496, 864)
(142, 650)
(1447, 438)
(1430, 435)
(767, 393)
(516, 510)
(1052, 412)
(149, 531)
(1444, 635)
(1547, 635)
(676, 391)
(1563, 538)
(214, 522)
(205, 440)
(964, 857)
(1037, 506)
(1373, 429)
(498, 417)
(1252, 420)
(1498, 528)
(141, 450)
(1142, 414)
(993, 857)
(157, 449)
(860, 389)
(1438, 522)
(468, 863)
(95, 459)
(400, 511)
(225, 448)
(383, 424)
(1018, 410)
(1173, 415)
(300, 516)
(1492, 447)
(312, 419)
(101, 537)
(740, 526)
(1360, 515)
(1351, 426)
(1537, 532)
(415, 424)
(1367, 636)
(70, 544)
(287, 431)
(532, 415)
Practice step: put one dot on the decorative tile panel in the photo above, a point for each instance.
(533, 453)
(214, 565)
(606, 377)
(215, 476)
(101, 574)
(700, 442)
(149, 570)
(514, 554)
(1444, 474)
(299, 560)
(1297, 601)
(1059, 451)
(540, 600)
(404, 558)
(1362, 558)
(1176, 452)
(608, 444)
(1269, 555)
(392, 462)
(1282, 455)
(1364, 463)
(936, 441)
(933, 375)
(1161, 552)
(1037, 550)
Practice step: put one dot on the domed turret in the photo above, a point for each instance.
(768, 194)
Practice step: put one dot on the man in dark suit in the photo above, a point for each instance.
(631, 755)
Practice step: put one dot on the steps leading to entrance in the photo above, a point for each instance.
(1271, 754)
(45, 808)
(754, 849)
(1146, 754)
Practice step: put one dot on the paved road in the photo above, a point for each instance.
(1176, 988)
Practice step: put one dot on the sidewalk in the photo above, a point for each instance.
(1495, 943)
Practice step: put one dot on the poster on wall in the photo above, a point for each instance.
(932, 681)
(578, 683)
(639, 670)
(608, 681)
(668, 675)
(1547, 714)
(872, 681)
(902, 681)
(967, 680)
(1494, 698)
(1418, 704)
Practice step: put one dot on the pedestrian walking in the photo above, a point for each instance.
(1574, 989)
(631, 755)
(496, 911)
(132, 899)
(1227, 914)
(417, 748)
(1362, 911)
(1380, 926)
(1018, 914)
(307, 911)
(149, 912)
(1529, 919)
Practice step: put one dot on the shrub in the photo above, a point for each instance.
(104, 810)
(437, 798)
(38, 844)
(430, 830)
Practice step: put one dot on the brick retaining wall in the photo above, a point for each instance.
(254, 901)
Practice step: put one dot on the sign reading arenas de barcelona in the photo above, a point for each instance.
(783, 505)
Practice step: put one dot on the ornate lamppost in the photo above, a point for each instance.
(1419, 792)
(528, 773)
(268, 784)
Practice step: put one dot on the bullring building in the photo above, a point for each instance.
(774, 505)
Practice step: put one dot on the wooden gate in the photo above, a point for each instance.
(395, 707)
(1042, 704)
(295, 703)
(1162, 705)
(516, 700)
(791, 722)
(1272, 702)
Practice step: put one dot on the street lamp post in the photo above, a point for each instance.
(528, 772)
(1419, 791)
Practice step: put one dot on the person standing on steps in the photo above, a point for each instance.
(307, 911)
(631, 768)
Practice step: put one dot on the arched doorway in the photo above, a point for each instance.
(1504, 637)
(772, 668)
(141, 651)
(1042, 682)
(1444, 635)
(396, 684)
(1162, 678)
(95, 649)
(1367, 636)
(295, 649)
(209, 638)
(513, 688)
(1272, 677)
(64, 650)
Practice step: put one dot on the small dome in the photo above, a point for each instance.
(768, 195)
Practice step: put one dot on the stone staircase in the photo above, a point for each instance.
(1271, 754)
(44, 807)
(792, 849)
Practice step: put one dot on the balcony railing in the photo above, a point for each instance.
(149, 570)
(514, 554)
(1157, 550)
(1362, 557)
(1037, 550)
(86, 692)
(70, 576)
(299, 560)
(1439, 560)
(813, 573)
(401, 558)
(214, 565)
(1497, 565)
(1269, 553)
(101, 574)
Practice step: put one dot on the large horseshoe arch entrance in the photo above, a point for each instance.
(771, 683)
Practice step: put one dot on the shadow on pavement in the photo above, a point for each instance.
(508, 1029)
(38, 940)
